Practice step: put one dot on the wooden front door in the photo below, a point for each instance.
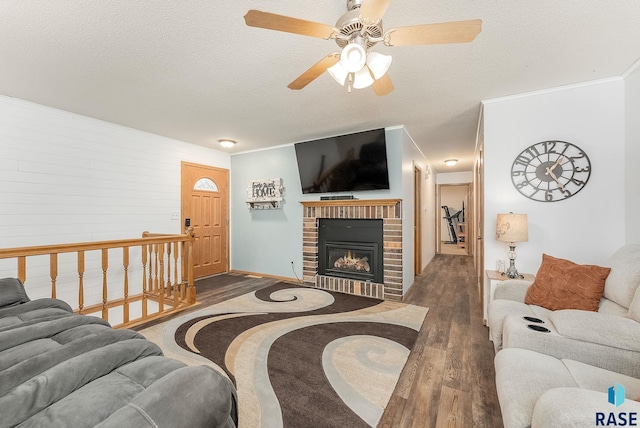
(205, 202)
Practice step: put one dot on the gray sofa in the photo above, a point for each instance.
(608, 338)
(58, 369)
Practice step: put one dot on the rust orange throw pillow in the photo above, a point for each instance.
(562, 284)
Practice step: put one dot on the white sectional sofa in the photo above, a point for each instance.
(608, 338)
(539, 391)
(560, 377)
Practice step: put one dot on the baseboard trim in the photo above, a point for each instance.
(265, 275)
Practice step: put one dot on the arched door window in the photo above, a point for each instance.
(206, 184)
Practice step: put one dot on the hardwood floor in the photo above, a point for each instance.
(449, 378)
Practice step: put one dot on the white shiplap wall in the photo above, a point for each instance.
(69, 178)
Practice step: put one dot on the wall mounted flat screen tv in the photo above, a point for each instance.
(345, 163)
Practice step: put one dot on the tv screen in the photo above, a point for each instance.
(344, 163)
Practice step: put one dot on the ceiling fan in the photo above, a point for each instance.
(356, 32)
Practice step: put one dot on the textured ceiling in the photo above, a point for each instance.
(192, 70)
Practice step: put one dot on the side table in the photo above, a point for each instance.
(491, 281)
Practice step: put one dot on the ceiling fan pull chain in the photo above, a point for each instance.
(349, 82)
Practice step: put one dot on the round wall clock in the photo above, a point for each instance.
(550, 171)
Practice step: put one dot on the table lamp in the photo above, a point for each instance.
(512, 228)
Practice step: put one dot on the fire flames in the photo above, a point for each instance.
(349, 262)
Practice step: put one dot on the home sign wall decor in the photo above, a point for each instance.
(265, 194)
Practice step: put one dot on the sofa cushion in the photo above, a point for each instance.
(522, 376)
(598, 379)
(12, 292)
(624, 279)
(577, 408)
(563, 284)
(609, 330)
(634, 308)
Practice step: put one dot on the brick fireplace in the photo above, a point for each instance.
(387, 210)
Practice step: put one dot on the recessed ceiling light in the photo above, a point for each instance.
(451, 162)
(227, 144)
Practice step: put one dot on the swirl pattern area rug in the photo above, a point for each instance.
(302, 357)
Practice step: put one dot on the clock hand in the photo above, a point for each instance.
(552, 167)
(550, 172)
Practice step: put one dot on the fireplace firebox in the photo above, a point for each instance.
(351, 248)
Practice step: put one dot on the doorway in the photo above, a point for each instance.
(453, 200)
(417, 226)
(205, 207)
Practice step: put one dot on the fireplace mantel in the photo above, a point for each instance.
(351, 203)
(389, 210)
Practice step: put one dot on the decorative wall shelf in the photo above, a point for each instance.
(265, 194)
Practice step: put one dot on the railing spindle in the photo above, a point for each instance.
(105, 293)
(80, 281)
(159, 283)
(144, 281)
(125, 264)
(176, 283)
(22, 269)
(191, 288)
(167, 262)
(53, 273)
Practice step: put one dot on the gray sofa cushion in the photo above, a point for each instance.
(58, 369)
(13, 292)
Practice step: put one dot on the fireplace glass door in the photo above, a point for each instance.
(351, 260)
(351, 248)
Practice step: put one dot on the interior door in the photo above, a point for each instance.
(479, 217)
(205, 203)
(417, 227)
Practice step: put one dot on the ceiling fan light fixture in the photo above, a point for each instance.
(362, 78)
(353, 57)
(378, 64)
(338, 72)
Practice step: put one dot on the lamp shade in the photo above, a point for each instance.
(338, 72)
(512, 228)
(362, 78)
(378, 64)
(353, 57)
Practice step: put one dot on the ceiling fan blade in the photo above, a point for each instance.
(271, 21)
(373, 10)
(431, 34)
(383, 85)
(314, 72)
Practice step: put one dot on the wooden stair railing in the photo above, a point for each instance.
(164, 275)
